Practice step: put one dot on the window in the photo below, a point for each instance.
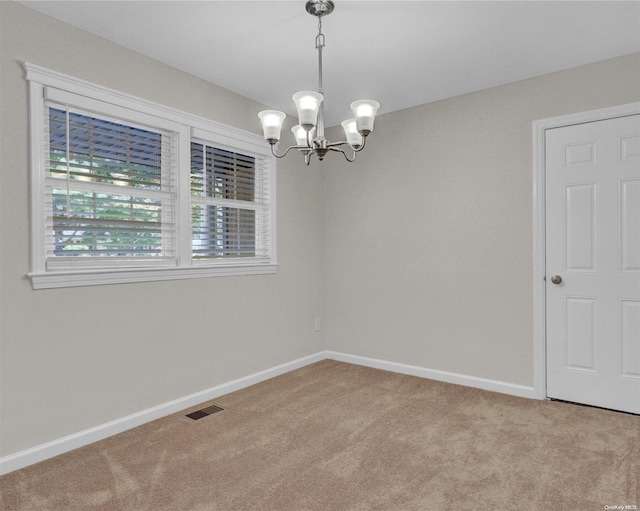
(109, 190)
(226, 201)
(124, 190)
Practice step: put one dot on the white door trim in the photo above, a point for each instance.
(539, 234)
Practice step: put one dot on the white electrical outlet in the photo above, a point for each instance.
(316, 324)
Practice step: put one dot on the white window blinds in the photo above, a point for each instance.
(229, 198)
(127, 190)
(110, 190)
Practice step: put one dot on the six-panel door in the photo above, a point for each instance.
(593, 245)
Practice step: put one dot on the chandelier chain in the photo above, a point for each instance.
(320, 36)
(320, 43)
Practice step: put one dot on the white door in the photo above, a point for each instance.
(593, 263)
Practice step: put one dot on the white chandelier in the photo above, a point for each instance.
(309, 133)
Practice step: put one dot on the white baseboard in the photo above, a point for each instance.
(74, 441)
(434, 374)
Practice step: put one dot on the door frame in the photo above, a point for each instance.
(539, 228)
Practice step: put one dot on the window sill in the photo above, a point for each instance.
(76, 278)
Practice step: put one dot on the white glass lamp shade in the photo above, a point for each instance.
(272, 124)
(301, 135)
(351, 132)
(365, 113)
(308, 104)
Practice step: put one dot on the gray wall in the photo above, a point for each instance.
(428, 242)
(421, 253)
(79, 357)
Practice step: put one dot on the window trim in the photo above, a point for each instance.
(187, 126)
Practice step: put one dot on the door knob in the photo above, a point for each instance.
(556, 279)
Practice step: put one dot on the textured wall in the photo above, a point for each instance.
(77, 358)
(429, 241)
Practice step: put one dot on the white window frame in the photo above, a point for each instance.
(186, 126)
(208, 139)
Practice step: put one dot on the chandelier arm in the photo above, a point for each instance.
(364, 142)
(343, 142)
(273, 150)
(339, 150)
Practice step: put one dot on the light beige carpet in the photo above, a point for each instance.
(334, 436)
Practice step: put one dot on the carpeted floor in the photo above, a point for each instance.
(334, 436)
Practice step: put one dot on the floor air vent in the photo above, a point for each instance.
(199, 414)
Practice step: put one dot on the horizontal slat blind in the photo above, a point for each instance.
(230, 199)
(110, 190)
(104, 151)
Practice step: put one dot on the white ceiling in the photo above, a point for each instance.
(401, 53)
